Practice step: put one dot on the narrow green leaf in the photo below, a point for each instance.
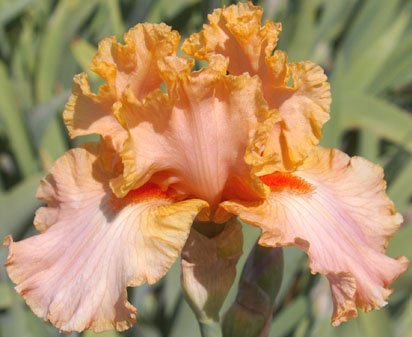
(302, 328)
(369, 145)
(5, 47)
(292, 265)
(18, 206)
(286, 320)
(403, 327)
(162, 10)
(304, 33)
(397, 70)
(398, 189)
(400, 245)
(139, 11)
(101, 334)
(361, 71)
(378, 116)
(12, 9)
(185, 323)
(375, 324)
(371, 20)
(334, 19)
(15, 128)
(6, 299)
(83, 52)
(22, 64)
(67, 18)
(115, 17)
(42, 115)
(13, 321)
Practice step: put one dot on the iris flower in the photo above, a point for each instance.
(238, 137)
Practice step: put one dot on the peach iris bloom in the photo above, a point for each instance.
(232, 139)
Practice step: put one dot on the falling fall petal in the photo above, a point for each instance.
(94, 245)
(335, 208)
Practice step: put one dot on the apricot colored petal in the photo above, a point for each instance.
(87, 113)
(335, 208)
(93, 246)
(196, 137)
(134, 64)
(236, 33)
(304, 109)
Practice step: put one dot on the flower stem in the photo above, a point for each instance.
(210, 329)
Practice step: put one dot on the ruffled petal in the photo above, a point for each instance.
(196, 137)
(94, 245)
(236, 33)
(87, 113)
(304, 108)
(133, 65)
(335, 208)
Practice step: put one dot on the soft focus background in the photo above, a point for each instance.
(365, 47)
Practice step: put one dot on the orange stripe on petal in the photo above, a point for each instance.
(279, 181)
(144, 193)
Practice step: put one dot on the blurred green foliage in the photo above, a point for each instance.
(365, 47)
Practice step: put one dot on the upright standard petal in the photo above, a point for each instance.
(133, 65)
(94, 245)
(196, 137)
(236, 33)
(335, 208)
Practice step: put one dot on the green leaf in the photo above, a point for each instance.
(115, 17)
(369, 145)
(101, 334)
(372, 19)
(378, 116)
(13, 321)
(398, 190)
(84, 52)
(333, 19)
(42, 115)
(185, 323)
(292, 265)
(401, 243)
(18, 206)
(12, 9)
(397, 70)
(67, 18)
(6, 298)
(286, 320)
(361, 70)
(304, 32)
(163, 10)
(403, 327)
(375, 324)
(14, 125)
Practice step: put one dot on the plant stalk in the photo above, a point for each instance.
(210, 329)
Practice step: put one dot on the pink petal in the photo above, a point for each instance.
(335, 208)
(197, 136)
(236, 32)
(133, 65)
(94, 245)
